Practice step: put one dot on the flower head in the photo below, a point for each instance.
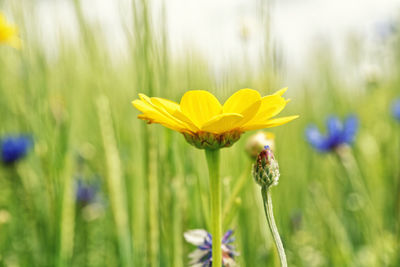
(338, 133)
(206, 123)
(258, 141)
(266, 168)
(13, 148)
(86, 193)
(386, 29)
(202, 256)
(396, 109)
(8, 33)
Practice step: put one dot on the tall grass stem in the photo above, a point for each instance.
(67, 217)
(153, 204)
(237, 189)
(115, 182)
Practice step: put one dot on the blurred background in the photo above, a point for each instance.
(85, 183)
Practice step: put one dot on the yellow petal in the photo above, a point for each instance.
(270, 106)
(200, 106)
(164, 123)
(9, 33)
(164, 106)
(142, 106)
(169, 105)
(173, 108)
(245, 102)
(222, 123)
(269, 123)
(144, 97)
(281, 92)
(151, 114)
(240, 101)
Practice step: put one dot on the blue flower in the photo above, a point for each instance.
(396, 109)
(338, 133)
(86, 193)
(386, 29)
(202, 256)
(13, 148)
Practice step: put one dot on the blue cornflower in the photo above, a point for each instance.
(338, 133)
(86, 193)
(386, 29)
(202, 256)
(13, 148)
(396, 109)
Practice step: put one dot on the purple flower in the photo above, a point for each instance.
(338, 133)
(202, 256)
(13, 148)
(396, 109)
(86, 193)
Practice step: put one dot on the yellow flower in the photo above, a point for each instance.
(206, 123)
(9, 33)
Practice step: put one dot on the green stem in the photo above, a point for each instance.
(272, 226)
(228, 210)
(215, 191)
(369, 213)
(352, 170)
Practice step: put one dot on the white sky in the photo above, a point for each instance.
(213, 26)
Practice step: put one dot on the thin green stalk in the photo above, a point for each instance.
(67, 217)
(350, 166)
(355, 177)
(397, 204)
(237, 189)
(115, 182)
(177, 224)
(215, 191)
(153, 206)
(21, 211)
(336, 226)
(272, 226)
(151, 192)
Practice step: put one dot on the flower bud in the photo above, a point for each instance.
(266, 168)
(258, 141)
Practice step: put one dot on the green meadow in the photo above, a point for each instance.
(151, 186)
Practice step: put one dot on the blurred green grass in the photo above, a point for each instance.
(76, 105)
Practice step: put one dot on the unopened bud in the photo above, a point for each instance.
(266, 168)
